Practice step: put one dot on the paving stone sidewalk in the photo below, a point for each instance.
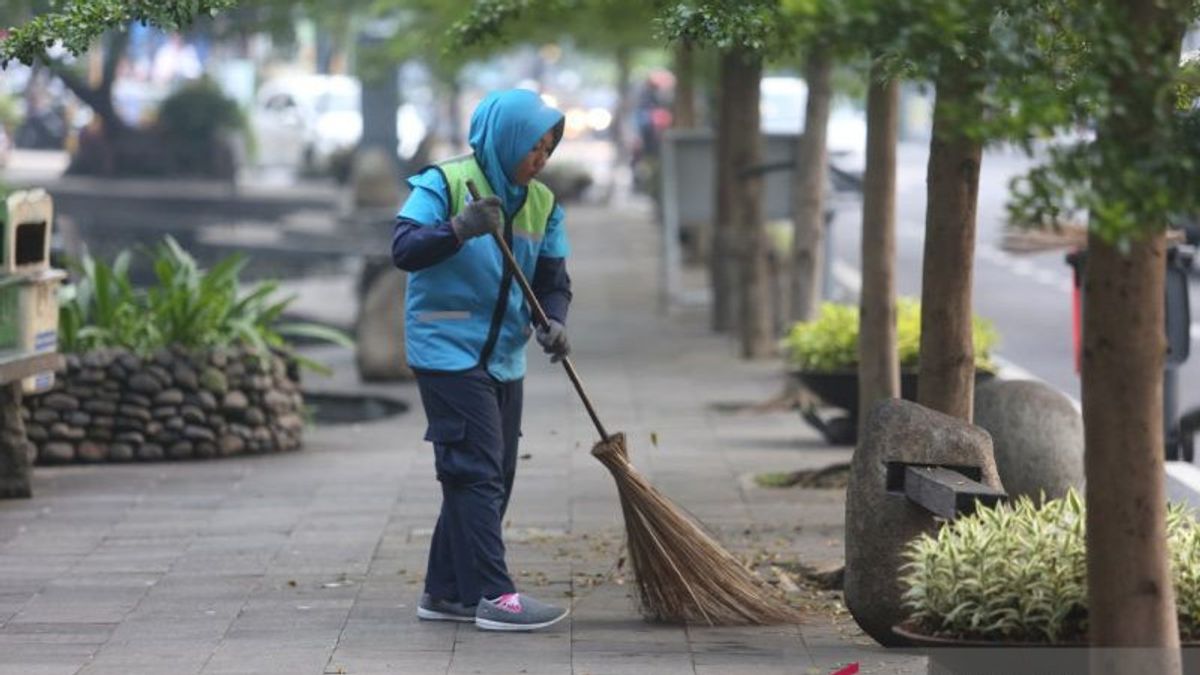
(311, 562)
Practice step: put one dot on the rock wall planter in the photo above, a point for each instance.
(111, 405)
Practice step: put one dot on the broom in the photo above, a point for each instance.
(682, 573)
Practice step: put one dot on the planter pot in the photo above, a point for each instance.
(114, 406)
(949, 656)
(840, 390)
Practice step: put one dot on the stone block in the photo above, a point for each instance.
(379, 330)
(1037, 437)
(880, 522)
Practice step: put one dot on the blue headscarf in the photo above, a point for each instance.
(505, 127)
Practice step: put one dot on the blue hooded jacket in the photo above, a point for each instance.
(452, 299)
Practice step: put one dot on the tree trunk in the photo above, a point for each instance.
(722, 265)
(1130, 594)
(1131, 600)
(99, 98)
(808, 200)
(878, 360)
(946, 381)
(684, 114)
(745, 152)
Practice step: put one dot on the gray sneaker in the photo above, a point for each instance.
(519, 613)
(443, 610)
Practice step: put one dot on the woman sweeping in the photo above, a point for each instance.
(466, 325)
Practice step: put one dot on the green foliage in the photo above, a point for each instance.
(754, 26)
(830, 342)
(76, 23)
(190, 307)
(198, 111)
(1018, 573)
(10, 113)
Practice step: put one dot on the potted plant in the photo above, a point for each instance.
(823, 355)
(194, 366)
(1016, 575)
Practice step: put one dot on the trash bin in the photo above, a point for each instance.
(1177, 442)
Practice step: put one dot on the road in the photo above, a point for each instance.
(1028, 297)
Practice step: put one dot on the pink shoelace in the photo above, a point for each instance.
(509, 602)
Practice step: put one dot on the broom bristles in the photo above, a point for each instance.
(682, 573)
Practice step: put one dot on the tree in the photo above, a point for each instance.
(745, 33)
(1122, 75)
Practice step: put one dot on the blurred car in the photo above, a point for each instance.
(306, 121)
(782, 102)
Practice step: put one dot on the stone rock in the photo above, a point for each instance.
(135, 412)
(129, 362)
(134, 438)
(90, 376)
(379, 329)
(64, 431)
(145, 383)
(128, 424)
(375, 179)
(191, 413)
(878, 522)
(80, 391)
(56, 452)
(181, 450)
(1037, 437)
(206, 449)
(230, 444)
(26, 414)
(198, 433)
(77, 419)
(292, 423)
(92, 452)
(97, 358)
(103, 422)
(146, 452)
(159, 373)
(116, 372)
(169, 397)
(163, 412)
(73, 362)
(206, 401)
(36, 432)
(185, 376)
(134, 398)
(122, 452)
(235, 401)
(254, 417)
(100, 433)
(45, 416)
(163, 357)
(60, 401)
(100, 407)
(277, 401)
(240, 430)
(175, 424)
(213, 380)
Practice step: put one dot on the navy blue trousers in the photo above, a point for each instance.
(474, 425)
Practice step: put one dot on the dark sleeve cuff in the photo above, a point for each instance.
(416, 246)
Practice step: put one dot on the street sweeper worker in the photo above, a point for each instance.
(466, 327)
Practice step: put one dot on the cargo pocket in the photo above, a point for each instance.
(451, 451)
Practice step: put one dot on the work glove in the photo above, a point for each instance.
(477, 218)
(553, 339)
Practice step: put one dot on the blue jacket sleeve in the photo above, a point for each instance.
(422, 235)
(552, 286)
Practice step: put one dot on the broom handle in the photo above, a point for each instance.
(540, 319)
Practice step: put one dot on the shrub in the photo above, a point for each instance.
(188, 307)
(1018, 573)
(830, 342)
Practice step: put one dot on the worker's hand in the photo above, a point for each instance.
(553, 339)
(477, 218)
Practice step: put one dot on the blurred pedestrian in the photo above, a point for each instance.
(466, 326)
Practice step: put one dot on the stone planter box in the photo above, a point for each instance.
(111, 405)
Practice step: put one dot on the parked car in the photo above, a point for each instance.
(307, 121)
(782, 102)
